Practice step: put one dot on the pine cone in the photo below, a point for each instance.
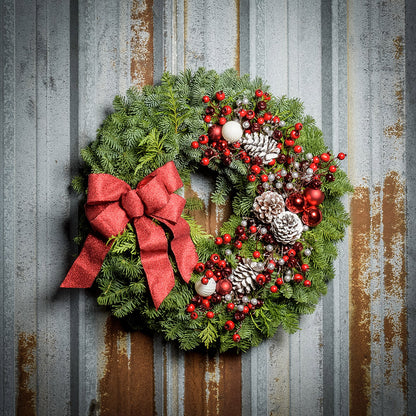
(260, 145)
(287, 228)
(268, 205)
(243, 278)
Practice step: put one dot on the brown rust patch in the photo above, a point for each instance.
(230, 384)
(212, 217)
(26, 369)
(359, 299)
(394, 237)
(141, 64)
(127, 386)
(396, 130)
(195, 400)
(398, 47)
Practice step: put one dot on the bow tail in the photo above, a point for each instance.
(88, 264)
(155, 260)
(183, 248)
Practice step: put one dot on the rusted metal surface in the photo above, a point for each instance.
(63, 62)
(126, 386)
(26, 370)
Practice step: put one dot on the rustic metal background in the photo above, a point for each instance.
(352, 63)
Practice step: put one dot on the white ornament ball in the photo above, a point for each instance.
(232, 131)
(205, 290)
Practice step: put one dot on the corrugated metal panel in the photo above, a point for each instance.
(62, 63)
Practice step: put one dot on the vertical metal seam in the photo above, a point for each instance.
(74, 299)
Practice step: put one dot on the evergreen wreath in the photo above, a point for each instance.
(273, 257)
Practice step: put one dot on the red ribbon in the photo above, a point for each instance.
(112, 204)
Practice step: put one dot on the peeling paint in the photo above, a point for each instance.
(26, 370)
(359, 296)
(126, 386)
(141, 65)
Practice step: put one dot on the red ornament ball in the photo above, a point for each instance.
(195, 145)
(251, 178)
(274, 289)
(230, 306)
(256, 254)
(210, 314)
(222, 121)
(205, 99)
(312, 216)
(279, 281)
(204, 161)
(259, 93)
(236, 338)
(305, 267)
(224, 286)
(214, 132)
(333, 169)
(298, 126)
(295, 203)
(314, 196)
(207, 119)
(307, 283)
(194, 315)
(341, 156)
(298, 149)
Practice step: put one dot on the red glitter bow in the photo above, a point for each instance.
(112, 204)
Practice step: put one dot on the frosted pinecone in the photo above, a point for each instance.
(287, 228)
(260, 145)
(243, 278)
(268, 205)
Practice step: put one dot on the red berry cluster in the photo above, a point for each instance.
(218, 270)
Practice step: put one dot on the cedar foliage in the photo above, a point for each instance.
(147, 129)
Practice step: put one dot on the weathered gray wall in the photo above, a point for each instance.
(351, 62)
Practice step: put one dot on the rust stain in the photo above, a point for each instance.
(195, 400)
(26, 369)
(359, 298)
(398, 47)
(399, 92)
(141, 64)
(237, 40)
(230, 384)
(213, 216)
(396, 130)
(127, 385)
(394, 237)
(212, 387)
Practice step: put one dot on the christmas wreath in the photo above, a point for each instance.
(154, 266)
